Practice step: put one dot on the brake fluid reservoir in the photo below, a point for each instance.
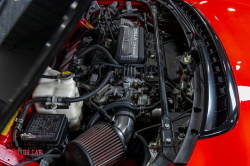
(63, 86)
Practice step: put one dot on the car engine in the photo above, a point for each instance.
(102, 102)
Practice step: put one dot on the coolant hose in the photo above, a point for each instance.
(99, 48)
(145, 148)
(49, 77)
(89, 95)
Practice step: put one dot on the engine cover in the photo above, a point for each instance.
(130, 47)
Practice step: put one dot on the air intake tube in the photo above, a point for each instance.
(124, 122)
(102, 144)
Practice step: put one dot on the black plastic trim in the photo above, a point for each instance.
(231, 89)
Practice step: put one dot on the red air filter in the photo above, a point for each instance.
(100, 145)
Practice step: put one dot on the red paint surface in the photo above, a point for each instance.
(231, 22)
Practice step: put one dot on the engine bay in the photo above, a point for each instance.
(120, 91)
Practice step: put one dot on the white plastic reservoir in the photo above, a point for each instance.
(63, 86)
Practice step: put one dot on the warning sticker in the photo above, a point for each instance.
(10, 123)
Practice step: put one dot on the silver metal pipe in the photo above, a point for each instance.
(124, 121)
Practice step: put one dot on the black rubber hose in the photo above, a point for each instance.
(101, 111)
(106, 64)
(99, 48)
(49, 77)
(187, 98)
(94, 119)
(14, 139)
(82, 85)
(145, 148)
(89, 95)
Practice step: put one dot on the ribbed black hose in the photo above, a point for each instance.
(89, 95)
(99, 48)
(23, 115)
(133, 15)
(145, 148)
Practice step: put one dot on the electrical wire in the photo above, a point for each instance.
(181, 118)
(147, 128)
(175, 119)
(111, 34)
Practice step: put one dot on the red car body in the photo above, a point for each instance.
(230, 20)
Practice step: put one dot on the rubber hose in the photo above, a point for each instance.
(94, 119)
(14, 139)
(91, 94)
(187, 98)
(99, 48)
(30, 103)
(82, 85)
(49, 77)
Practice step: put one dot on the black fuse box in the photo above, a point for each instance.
(45, 131)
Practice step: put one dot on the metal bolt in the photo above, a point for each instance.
(181, 136)
(53, 106)
(168, 140)
(109, 41)
(188, 59)
(167, 126)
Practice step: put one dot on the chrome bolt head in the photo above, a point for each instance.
(168, 140)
